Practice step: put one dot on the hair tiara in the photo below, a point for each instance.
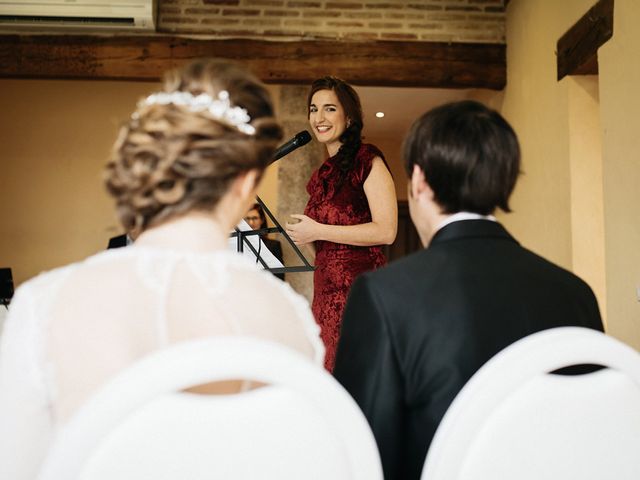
(219, 108)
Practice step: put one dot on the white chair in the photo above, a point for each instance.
(142, 425)
(513, 420)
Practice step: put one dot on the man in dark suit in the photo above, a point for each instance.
(414, 332)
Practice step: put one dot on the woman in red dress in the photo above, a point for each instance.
(352, 209)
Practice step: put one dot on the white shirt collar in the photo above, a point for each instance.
(456, 217)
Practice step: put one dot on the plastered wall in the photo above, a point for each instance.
(56, 138)
(619, 107)
(576, 202)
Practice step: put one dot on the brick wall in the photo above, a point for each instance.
(474, 21)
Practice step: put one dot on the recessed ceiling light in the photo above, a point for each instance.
(379, 114)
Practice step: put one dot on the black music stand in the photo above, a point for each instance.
(242, 241)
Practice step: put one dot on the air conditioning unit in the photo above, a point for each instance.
(80, 14)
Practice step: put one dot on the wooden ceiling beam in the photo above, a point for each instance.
(146, 57)
(577, 49)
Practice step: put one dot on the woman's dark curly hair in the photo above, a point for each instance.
(169, 160)
(351, 138)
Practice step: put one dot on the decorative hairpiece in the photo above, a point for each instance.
(219, 108)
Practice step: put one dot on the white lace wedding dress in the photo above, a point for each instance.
(71, 329)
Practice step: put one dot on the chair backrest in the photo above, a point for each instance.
(514, 419)
(142, 425)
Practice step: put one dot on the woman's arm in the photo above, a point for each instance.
(381, 230)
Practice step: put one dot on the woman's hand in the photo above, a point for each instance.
(305, 231)
(381, 230)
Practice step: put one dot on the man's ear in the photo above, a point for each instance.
(419, 185)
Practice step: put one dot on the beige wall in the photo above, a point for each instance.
(619, 107)
(56, 137)
(575, 203)
(535, 104)
(585, 167)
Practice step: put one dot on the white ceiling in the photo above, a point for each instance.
(402, 106)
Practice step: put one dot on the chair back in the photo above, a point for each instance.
(514, 419)
(142, 425)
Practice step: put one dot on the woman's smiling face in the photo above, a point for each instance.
(327, 119)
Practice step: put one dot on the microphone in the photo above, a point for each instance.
(300, 139)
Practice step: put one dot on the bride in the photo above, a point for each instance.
(183, 172)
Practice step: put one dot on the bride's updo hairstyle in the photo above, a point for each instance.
(183, 147)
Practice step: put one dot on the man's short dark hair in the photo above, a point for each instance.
(469, 155)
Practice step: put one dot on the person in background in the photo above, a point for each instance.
(120, 241)
(257, 220)
(123, 240)
(184, 171)
(352, 211)
(416, 331)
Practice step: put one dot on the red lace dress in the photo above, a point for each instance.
(337, 265)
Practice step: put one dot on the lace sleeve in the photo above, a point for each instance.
(25, 423)
(310, 326)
